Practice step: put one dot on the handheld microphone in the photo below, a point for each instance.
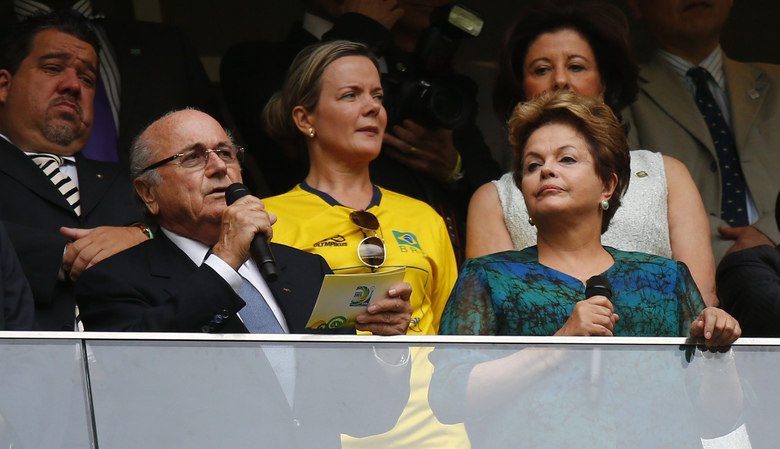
(596, 286)
(259, 249)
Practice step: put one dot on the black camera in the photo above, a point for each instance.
(430, 92)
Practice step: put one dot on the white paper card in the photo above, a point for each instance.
(345, 296)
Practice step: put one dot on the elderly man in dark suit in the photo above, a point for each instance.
(62, 211)
(193, 275)
(197, 275)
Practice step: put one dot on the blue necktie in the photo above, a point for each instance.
(259, 318)
(256, 314)
(733, 207)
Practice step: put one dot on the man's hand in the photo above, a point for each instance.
(430, 151)
(745, 236)
(383, 11)
(240, 222)
(717, 327)
(389, 315)
(90, 246)
(592, 316)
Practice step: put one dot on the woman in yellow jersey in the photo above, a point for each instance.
(331, 105)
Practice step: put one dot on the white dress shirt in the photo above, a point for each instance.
(200, 254)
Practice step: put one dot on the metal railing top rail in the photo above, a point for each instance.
(405, 339)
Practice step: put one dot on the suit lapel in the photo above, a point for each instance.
(295, 307)
(668, 92)
(95, 178)
(748, 88)
(166, 260)
(17, 165)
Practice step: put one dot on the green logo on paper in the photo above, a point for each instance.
(362, 296)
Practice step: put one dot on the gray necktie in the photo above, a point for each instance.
(256, 314)
(259, 318)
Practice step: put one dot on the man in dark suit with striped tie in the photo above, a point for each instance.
(63, 212)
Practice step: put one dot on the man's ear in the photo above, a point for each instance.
(147, 193)
(302, 120)
(5, 84)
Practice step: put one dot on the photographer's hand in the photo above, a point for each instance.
(385, 12)
(430, 151)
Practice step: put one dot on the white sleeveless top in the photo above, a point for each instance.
(640, 224)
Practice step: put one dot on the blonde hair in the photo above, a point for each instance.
(302, 87)
(591, 118)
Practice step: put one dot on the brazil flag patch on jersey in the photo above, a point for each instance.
(406, 239)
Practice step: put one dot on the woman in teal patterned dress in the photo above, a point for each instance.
(572, 165)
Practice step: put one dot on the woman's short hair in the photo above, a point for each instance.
(302, 87)
(593, 120)
(602, 25)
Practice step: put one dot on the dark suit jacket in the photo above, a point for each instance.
(749, 289)
(156, 287)
(16, 300)
(33, 210)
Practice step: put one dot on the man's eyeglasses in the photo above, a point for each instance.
(199, 157)
(371, 250)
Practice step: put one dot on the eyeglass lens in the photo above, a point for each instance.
(365, 220)
(199, 157)
(371, 251)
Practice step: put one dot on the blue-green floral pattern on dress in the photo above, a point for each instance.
(511, 293)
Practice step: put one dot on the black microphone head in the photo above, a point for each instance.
(598, 286)
(234, 192)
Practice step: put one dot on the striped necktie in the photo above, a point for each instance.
(50, 165)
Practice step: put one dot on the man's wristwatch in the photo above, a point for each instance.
(145, 229)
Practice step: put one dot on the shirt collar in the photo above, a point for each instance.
(195, 250)
(27, 8)
(376, 198)
(316, 25)
(713, 63)
(68, 159)
(30, 153)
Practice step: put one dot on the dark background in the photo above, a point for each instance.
(752, 34)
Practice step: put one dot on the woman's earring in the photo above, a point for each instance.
(311, 133)
(531, 221)
(604, 205)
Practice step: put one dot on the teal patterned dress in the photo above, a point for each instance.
(511, 293)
